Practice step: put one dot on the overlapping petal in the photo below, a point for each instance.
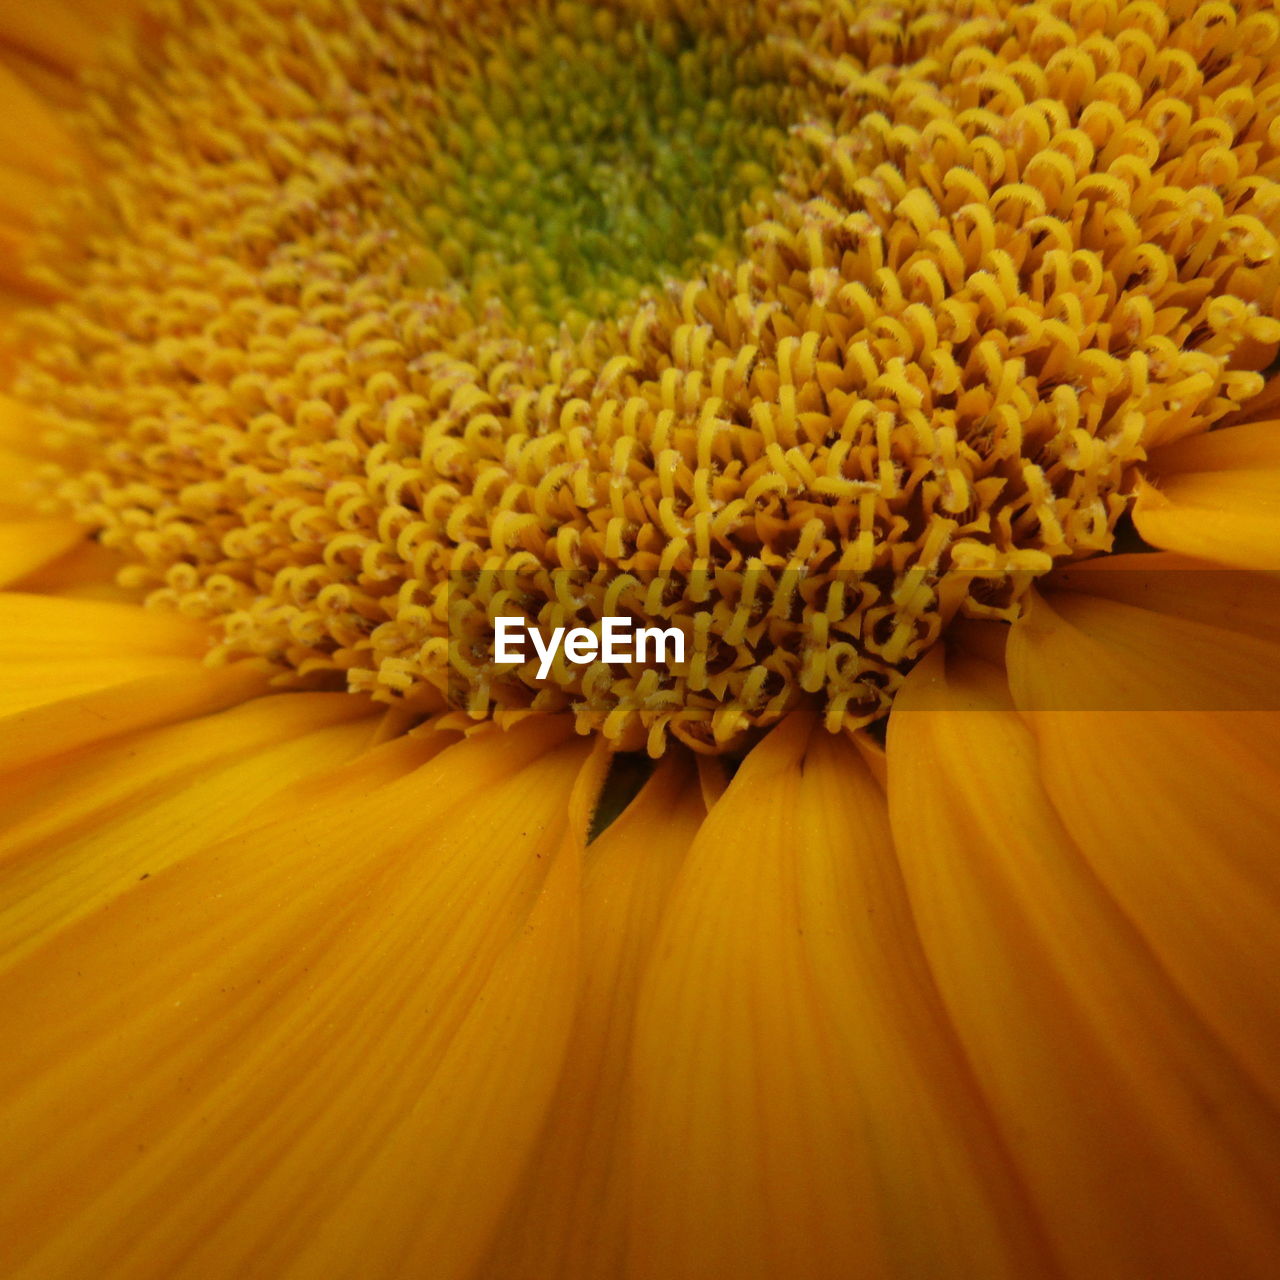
(55, 32)
(86, 572)
(570, 1217)
(74, 837)
(27, 546)
(1168, 783)
(1145, 1147)
(74, 672)
(1179, 586)
(32, 139)
(1217, 496)
(801, 1108)
(320, 1047)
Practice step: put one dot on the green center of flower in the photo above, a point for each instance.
(595, 157)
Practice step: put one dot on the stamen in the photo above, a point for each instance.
(803, 327)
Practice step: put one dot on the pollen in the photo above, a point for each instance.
(803, 328)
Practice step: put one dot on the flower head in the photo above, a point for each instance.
(753, 322)
(850, 340)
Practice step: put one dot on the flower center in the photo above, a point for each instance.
(597, 157)
(801, 328)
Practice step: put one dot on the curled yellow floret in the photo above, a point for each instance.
(803, 327)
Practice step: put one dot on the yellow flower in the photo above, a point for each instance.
(912, 362)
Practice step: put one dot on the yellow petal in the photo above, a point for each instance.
(569, 1217)
(1164, 582)
(800, 1109)
(92, 15)
(320, 1048)
(16, 429)
(43, 554)
(1144, 1148)
(31, 136)
(33, 627)
(13, 264)
(29, 545)
(1253, 446)
(1232, 517)
(74, 672)
(22, 195)
(1177, 812)
(54, 31)
(53, 88)
(712, 778)
(87, 572)
(873, 757)
(20, 489)
(1121, 658)
(116, 812)
(1216, 496)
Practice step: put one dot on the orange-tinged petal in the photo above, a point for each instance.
(1253, 446)
(40, 553)
(1145, 1148)
(20, 488)
(59, 92)
(13, 263)
(87, 572)
(319, 1048)
(17, 440)
(800, 1107)
(1216, 496)
(54, 31)
(74, 672)
(1232, 517)
(22, 195)
(1198, 590)
(31, 136)
(712, 778)
(873, 756)
(1123, 657)
(17, 434)
(33, 627)
(1177, 812)
(97, 15)
(76, 836)
(29, 545)
(569, 1217)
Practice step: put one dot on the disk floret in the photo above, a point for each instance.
(801, 327)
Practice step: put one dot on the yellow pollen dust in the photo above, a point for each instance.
(802, 326)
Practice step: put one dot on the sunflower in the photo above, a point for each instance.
(911, 362)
